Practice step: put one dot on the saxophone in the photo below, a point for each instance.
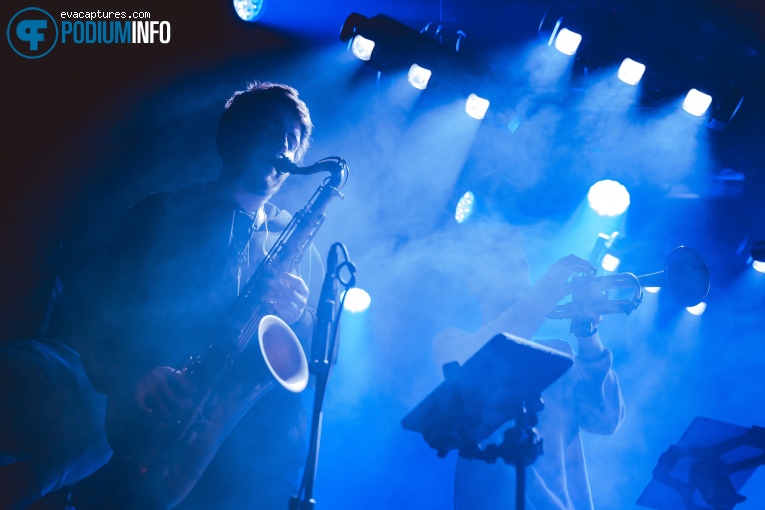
(252, 353)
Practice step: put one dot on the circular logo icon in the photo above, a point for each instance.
(32, 32)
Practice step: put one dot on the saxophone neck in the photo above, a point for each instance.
(339, 177)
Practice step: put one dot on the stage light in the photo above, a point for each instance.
(476, 106)
(758, 266)
(630, 72)
(356, 300)
(397, 46)
(567, 41)
(250, 10)
(418, 77)
(362, 47)
(465, 207)
(697, 309)
(652, 290)
(696, 102)
(608, 198)
(609, 262)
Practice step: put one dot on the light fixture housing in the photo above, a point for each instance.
(696, 102)
(610, 262)
(465, 207)
(567, 42)
(608, 198)
(250, 10)
(356, 300)
(418, 76)
(362, 47)
(631, 71)
(476, 106)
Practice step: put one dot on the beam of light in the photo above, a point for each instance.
(567, 41)
(362, 47)
(697, 309)
(476, 106)
(356, 300)
(465, 207)
(630, 72)
(250, 10)
(419, 76)
(696, 102)
(652, 290)
(759, 266)
(609, 262)
(608, 198)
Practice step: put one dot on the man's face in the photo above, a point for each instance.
(275, 135)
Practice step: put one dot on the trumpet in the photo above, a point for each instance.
(685, 275)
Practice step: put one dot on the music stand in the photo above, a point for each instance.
(501, 382)
(706, 468)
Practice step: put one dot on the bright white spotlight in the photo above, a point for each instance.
(696, 103)
(609, 262)
(759, 266)
(249, 10)
(652, 290)
(362, 47)
(465, 207)
(697, 309)
(476, 106)
(356, 300)
(630, 72)
(608, 198)
(567, 41)
(418, 77)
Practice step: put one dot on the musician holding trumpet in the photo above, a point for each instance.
(177, 264)
(587, 397)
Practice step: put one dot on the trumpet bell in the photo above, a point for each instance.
(685, 275)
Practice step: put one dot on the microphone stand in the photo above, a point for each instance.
(324, 348)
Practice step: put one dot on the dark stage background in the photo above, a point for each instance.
(91, 129)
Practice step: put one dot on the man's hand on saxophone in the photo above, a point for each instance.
(165, 394)
(288, 295)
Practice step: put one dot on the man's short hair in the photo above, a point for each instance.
(247, 106)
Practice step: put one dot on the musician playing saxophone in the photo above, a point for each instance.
(177, 263)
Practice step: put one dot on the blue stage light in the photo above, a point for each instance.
(464, 207)
(356, 300)
(630, 72)
(697, 309)
(362, 47)
(567, 41)
(608, 198)
(419, 76)
(250, 10)
(609, 262)
(696, 102)
(476, 106)
(758, 266)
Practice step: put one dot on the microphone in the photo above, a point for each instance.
(331, 165)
